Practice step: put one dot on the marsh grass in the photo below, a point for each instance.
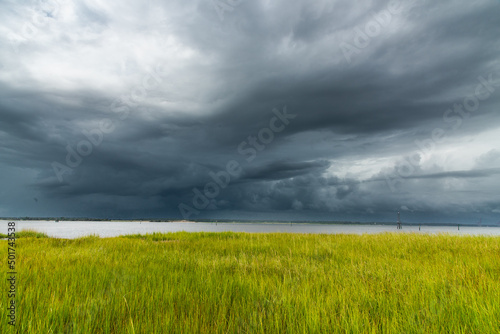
(26, 233)
(257, 283)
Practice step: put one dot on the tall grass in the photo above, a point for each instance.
(257, 283)
(26, 233)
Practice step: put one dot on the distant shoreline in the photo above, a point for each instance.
(268, 222)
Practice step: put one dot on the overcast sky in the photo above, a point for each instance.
(251, 109)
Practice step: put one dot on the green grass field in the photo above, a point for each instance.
(255, 283)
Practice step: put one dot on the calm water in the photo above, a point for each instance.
(75, 229)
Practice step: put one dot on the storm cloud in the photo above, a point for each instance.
(330, 110)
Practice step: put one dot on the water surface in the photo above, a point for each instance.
(75, 229)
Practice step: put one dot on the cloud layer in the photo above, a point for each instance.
(253, 109)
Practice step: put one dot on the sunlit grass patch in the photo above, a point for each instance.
(26, 233)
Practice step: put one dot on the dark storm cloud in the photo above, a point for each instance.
(196, 88)
(285, 170)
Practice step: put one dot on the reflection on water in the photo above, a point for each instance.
(75, 229)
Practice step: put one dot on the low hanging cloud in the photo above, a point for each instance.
(128, 109)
